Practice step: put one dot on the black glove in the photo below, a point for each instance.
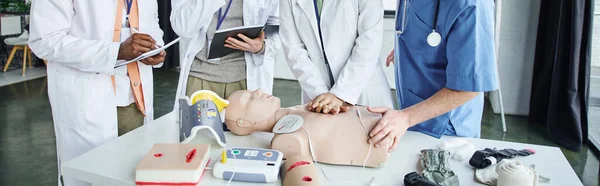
(415, 179)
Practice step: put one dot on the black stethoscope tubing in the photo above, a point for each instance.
(434, 38)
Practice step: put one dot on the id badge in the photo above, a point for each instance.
(210, 39)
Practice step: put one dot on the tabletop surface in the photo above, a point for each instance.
(114, 162)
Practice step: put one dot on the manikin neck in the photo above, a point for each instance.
(276, 116)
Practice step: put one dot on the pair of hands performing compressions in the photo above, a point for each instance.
(390, 128)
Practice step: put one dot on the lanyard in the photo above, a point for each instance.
(221, 17)
(329, 73)
(129, 2)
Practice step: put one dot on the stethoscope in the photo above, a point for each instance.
(434, 38)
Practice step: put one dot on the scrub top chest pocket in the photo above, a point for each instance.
(415, 35)
(414, 39)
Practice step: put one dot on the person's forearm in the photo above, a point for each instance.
(441, 102)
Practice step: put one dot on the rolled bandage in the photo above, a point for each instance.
(466, 151)
(459, 149)
(487, 175)
(512, 173)
(453, 144)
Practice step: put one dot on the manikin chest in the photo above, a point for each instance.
(337, 139)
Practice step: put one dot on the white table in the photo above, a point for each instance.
(114, 162)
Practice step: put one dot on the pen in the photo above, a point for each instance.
(136, 31)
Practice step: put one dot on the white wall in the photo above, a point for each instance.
(389, 5)
(518, 31)
(596, 36)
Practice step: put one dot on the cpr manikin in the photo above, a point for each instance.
(336, 139)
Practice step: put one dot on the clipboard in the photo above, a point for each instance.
(217, 47)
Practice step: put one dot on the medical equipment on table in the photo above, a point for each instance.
(288, 124)
(176, 164)
(459, 148)
(434, 38)
(204, 113)
(416, 179)
(484, 158)
(249, 165)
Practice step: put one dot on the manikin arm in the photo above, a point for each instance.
(300, 170)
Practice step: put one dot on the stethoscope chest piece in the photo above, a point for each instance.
(434, 39)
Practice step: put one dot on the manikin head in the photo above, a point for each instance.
(251, 111)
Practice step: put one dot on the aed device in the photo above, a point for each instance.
(249, 165)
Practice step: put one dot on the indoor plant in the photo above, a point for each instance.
(14, 6)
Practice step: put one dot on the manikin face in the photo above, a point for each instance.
(250, 109)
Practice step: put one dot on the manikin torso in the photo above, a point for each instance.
(336, 139)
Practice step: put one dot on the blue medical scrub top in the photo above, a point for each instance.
(465, 61)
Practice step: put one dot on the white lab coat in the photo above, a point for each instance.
(352, 35)
(76, 39)
(190, 20)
